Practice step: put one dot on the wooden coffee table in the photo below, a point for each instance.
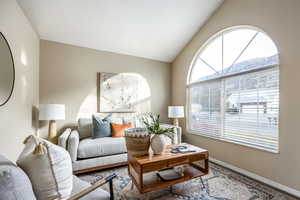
(142, 169)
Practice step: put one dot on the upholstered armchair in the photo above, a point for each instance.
(16, 185)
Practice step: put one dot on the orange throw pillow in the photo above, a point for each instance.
(118, 129)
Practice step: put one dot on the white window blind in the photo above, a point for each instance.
(205, 108)
(251, 109)
(237, 102)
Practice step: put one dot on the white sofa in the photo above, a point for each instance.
(90, 154)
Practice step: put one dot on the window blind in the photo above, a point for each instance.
(242, 108)
(205, 108)
(251, 108)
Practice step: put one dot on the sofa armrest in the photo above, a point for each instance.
(72, 145)
(63, 138)
(177, 131)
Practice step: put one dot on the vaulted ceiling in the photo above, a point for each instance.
(154, 29)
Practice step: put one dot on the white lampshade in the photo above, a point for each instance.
(176, 112)
(52, 112)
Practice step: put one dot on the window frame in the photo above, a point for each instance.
(190, 85)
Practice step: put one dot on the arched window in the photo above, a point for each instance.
(233, 89)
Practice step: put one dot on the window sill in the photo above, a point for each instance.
(193, 132)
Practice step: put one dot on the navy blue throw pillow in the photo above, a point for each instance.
(101, 127)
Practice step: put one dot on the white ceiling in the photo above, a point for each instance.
(155, 29)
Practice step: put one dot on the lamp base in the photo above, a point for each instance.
(52, 132)
(175, 122)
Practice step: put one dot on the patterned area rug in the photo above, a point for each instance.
(220, 184)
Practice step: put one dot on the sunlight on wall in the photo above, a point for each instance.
(89, 105)
(23, 58)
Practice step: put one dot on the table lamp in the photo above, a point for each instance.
(176, 112)
(52, 112)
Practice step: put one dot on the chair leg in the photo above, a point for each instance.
(202, 182)
(132, 185)
(111, 190)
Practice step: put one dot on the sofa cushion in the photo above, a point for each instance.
(98, 194)
(118, 129)
(49, 168)
(101, 127)
(90, 147)
(99, 161)
(85, 126)
(14, 183)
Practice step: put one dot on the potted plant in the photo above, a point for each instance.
(159, 134)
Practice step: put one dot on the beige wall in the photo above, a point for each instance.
(16, 116)
(280, 19)
(68, 76)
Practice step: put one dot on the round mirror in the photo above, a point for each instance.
(7, 71)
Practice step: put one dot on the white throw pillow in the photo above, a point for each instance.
(49, 168)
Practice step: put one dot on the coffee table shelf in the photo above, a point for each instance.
(153, 182)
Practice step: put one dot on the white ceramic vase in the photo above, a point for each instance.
(158, 143)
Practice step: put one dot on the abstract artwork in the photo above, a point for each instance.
(123, 93)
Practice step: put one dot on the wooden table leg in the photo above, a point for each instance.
(206, 166)
(140, 174)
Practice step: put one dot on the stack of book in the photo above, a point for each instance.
(181, 149)
(169, 174)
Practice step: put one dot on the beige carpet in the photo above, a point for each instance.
(220, 184)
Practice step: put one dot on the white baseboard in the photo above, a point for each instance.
(278, 186)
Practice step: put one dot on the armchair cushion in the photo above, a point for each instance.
(101, 147)
(98, 194)
(14, 183)
(49, 168)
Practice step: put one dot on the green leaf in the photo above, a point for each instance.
(154, 126)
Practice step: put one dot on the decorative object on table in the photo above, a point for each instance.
(169, 174)
(181, 149)
(7, 71)
(118, 129)
(137, 141)
(160, 135)
(123, 93)
(101, 127)
(176, 112)
(52, 112)
(49, 168)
